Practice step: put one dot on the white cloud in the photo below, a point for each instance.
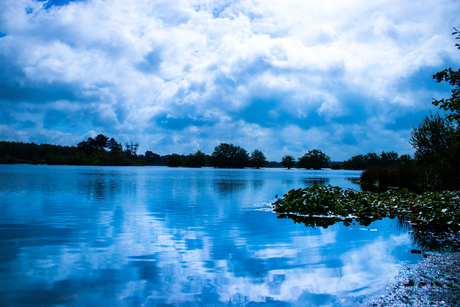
(215, 61)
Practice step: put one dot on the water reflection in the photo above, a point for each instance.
(100, 236)
(226, 186)
(309, 182)
(99, 185)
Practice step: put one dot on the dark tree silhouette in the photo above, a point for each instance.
(314, 159)
(257, 159)
(288, 161)
(175, 160)
(229, 156)
(195, 160)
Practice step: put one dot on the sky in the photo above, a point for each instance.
(178, 76)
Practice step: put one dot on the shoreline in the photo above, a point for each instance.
(435, 281)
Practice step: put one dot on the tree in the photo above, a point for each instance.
(195, 160)
(288, 161)
(436, 143)
(355, 163)
(257, 159)
(389, 158)
(175, 160)
(314, 159)
(451, 76)
(405, 160)
(433, 139)
(94, 145)
(88, 147)
(114, 146)
(229, 156)
(371, 159)
(101, 142)
(152, 158)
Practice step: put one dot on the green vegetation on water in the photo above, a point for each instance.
(436, 214)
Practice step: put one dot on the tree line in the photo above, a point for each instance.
(98, 151)
(103, 150)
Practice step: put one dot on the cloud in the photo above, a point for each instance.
(201, 72)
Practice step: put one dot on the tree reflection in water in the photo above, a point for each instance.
(427, 239)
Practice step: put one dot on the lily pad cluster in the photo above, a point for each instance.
(430, 213)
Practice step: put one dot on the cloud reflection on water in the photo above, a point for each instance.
(136, 243)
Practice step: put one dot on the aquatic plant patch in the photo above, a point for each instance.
(432, 213)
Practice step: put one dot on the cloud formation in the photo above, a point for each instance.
(182, 75)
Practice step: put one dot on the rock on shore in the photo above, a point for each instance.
(432, 282)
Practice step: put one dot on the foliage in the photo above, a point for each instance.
(257, 159)
(18, 152)
(196, 160)
(386, 159)
(335, 165)
(151, 158)
(274, 164)
(229, 156)
(314, 159)
(175, 160)
(377, 178)
(90, 152)
(99, 144)
(437, 213)
(433, 139)
(288, 161)
(114, 146)
(451, 76)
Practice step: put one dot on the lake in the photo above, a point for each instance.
(158, 236)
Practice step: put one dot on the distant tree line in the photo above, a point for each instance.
(224, 156)
(103, 150)
(385, 159)
(98, 151)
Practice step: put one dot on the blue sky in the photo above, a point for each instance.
(284, 77)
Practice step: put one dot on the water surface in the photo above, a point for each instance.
(151, 236)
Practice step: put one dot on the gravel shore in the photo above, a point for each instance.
(432, 282)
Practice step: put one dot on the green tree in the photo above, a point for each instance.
(114, 146)
(257, 159)
(88, 146)
(195, 160)
(371, 159)
(389, 158)
(101, 142)
(175, 160)
(405, 160)
(288, 161)
(229, 156)
(436, 144)
(451, 76)
(152, 158)
(355, 163)
(94, 145)
(433, 139)
(314, 159)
